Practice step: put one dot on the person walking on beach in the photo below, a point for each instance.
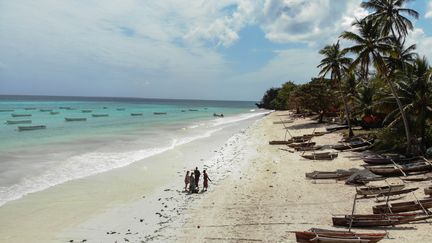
(197, 176)
(192, 187)
(206, 178)
(187, 180)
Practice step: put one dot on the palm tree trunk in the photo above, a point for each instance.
(347, 113)
(404, 119)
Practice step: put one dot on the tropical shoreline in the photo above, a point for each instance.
(80, 200)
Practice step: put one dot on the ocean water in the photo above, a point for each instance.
(31, 161)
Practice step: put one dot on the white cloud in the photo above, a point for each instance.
(429, 10)
(308, 21)
(422, 41)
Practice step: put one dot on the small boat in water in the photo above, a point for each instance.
(136, 114)
(30, 128)
(54, 112)
(30, 108)
(64, 107)
(18, 122)
(120, 109)
(7, 110)
(71, 119)
(45, 110)
(20, 115)
(193, 110)
(159, 113)
(218, 115)
(100, 115)
(86, 111)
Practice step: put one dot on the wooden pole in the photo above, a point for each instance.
(352, 212)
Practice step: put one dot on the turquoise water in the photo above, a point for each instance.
(35, 160)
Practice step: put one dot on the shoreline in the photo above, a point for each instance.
(260, 194)
(81, 200)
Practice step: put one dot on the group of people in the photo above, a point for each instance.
(192, 181)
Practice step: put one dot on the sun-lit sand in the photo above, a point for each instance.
(259, 194)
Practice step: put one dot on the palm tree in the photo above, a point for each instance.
(336, 63)
(388, 14)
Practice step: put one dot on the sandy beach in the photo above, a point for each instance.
(259, 194)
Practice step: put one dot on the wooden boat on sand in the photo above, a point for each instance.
(280, 142)
(336, 128)
(321, 156)
(136, 114)
(403, 206)
(393, 170)
(100, 115)
(30, 128)
(21, 115)
(75, 119)
(313, 148)
(12, 122)
(376, 220)
(352, 145)
(326, 175)
(323, 235)
(303, 144)
(375, 190)
(378, 159)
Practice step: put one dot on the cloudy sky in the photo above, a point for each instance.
(199, 49)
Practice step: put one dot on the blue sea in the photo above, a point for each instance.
(31, 161)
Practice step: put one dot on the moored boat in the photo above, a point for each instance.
(6, 110)
(159, 113)
(336, 128)
(45, 110)
(100, 115)
(321, 156)
(11, 122)
(86, 111)
(54, 112)
(387, 159)
(30, 128)
(323, 175)
(352, 145)
(337, 235)
(374, 190)
(302, 144)
(71, 119)
(30, 108)
(193, 110)
(403, 206)
(376, 220)
(393, 170)
(279, 142)
(121, 109)
(136, 114)
(21, 115)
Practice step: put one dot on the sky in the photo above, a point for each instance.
(180, 49)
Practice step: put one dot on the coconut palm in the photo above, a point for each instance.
(336, 63)
(389, 15)
(368, 45)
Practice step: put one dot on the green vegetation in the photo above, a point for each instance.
(373, 76)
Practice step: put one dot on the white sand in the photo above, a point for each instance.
(260, 194)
